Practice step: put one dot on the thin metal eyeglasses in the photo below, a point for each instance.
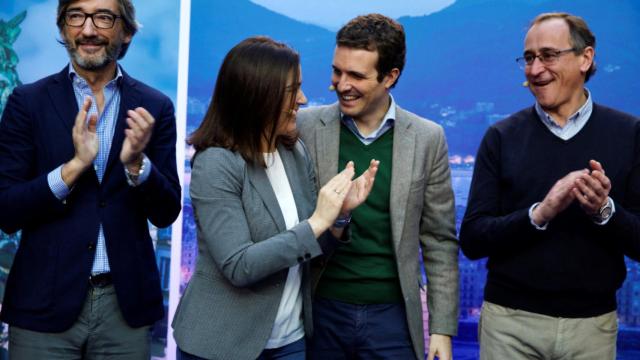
(547, 57)
(101, 20)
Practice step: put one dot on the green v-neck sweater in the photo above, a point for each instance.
(364, 271)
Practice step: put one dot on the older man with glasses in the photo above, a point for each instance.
(554, 224)
(87, 156)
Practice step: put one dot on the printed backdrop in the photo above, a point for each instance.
(460, 72)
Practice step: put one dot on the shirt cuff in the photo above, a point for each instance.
(59, 189)
(613, 211)
(543, 227)
(135, 180)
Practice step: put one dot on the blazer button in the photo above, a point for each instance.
(102, 203)
(91, 246)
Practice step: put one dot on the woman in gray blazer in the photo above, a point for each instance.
(259, 220)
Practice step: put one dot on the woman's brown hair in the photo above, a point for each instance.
(248, 99)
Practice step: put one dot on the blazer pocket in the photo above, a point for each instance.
(416, 196)
(417, 185)
(149, 279)
(31, 288)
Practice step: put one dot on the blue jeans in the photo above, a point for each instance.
(352, 331)
(293, 351)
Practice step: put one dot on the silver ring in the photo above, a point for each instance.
(336, 191)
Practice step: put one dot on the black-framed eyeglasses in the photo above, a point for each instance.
(547, 57)
(101, 20)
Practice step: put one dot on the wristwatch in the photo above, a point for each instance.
(133, 177)
(342, 221)
(604, 213)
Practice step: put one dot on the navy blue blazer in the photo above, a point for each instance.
(48, 281)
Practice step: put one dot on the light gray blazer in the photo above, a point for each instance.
(422, 210)
(244, 253)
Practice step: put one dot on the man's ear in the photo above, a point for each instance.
(391, 78)
(587, 59)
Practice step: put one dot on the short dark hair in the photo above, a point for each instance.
(376, 32)
(581, 35)
(127, 13)
(248, 99)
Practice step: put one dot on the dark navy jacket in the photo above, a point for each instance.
(48, 281)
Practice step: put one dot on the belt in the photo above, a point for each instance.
(100, 280)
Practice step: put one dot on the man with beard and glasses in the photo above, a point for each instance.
(367, 299)
(555, 206)
(87, 156)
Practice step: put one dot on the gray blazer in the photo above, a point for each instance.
(244, 253)
(422, 208)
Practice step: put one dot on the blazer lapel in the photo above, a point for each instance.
(129, 99)
(63, 98)
(328, 144)
(260, 181)
(403, 153)
(294, 171)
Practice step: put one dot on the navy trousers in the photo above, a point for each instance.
(351, 331)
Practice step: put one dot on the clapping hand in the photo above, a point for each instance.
(137, 137)
(331, 198)
(360, 188)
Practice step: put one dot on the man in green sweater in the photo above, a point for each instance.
(367, 299)
(554, 225)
